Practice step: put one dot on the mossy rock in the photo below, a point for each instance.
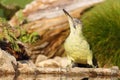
(102, 30)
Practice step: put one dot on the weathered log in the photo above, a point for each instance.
(40, 9)
(114, 71)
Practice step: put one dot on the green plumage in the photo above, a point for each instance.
(76, 46)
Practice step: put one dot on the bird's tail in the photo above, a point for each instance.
(95, 64)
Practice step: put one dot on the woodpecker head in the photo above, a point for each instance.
(75, 24)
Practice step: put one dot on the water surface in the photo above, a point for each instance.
(54, 77)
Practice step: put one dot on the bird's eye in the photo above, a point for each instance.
(77, 21)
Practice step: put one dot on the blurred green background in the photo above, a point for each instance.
(101, 28)
(9, 7)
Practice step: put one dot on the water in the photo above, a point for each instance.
(54, 77)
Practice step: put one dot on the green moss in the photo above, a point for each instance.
(8, 35)
(9, 7)
(101, 28)
(28, 37)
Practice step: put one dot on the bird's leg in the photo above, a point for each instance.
(69, 66)
(91, 65)
(90, 61)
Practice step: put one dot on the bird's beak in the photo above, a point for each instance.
(70, 19)
(67, 14)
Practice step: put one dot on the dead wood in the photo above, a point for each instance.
(114, 71)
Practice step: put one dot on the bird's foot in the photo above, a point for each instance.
(68, 68)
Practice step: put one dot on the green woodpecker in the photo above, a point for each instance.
(76, 46)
